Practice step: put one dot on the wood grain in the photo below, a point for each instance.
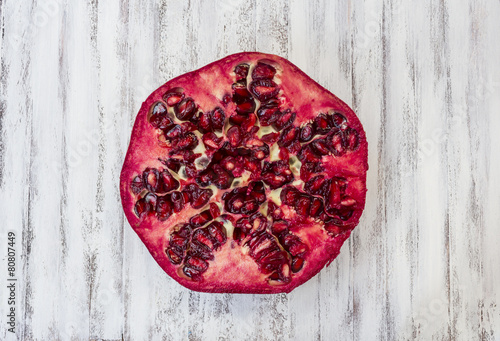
(424, 78)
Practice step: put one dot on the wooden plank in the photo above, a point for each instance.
(320, 44)
(369, 96)
(16, 142)
(467, 170)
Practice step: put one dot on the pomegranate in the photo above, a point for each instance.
(244, 176)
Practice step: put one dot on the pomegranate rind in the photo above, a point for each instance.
(232, 270)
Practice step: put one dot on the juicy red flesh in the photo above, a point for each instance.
(221, 162)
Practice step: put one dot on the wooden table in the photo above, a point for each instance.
(424, 78)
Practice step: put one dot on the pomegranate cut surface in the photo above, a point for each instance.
(245, 176)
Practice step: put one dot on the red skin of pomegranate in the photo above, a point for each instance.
(233, 269)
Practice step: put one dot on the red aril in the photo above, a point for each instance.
(244, 176)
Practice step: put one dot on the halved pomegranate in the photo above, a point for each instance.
(244, 176)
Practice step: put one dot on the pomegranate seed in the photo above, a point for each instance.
(141, 208)
(335, 229)
(228, 163)
(159, 116)
(336, 143)
(320, 147)
(279, 228)
(339, 121)
(334, 194)
(205, 122)
(234, 136)
(293, 244)
(238, 119)
(276, 174)
(190, 171)
(257, 191)
(218, 232)
(175, 132)
(203, 237)
(200, 250)
(196, 264)
(295, 147)
(188, 141)
(271, 103)
(274, 210)
(241, 71)
(322, 124)
(218, 118)
(185, 109)
(172, 164)
(351, 139)
(284, 154)
(259, 222)
(240, 92)
(264, 89)
(201, 199)
(260, 153)
(201, 219)
(150, 177)
(316, 185)
(289, 195)
(309, 169)
(184, 231)
(288, 136)
(263, 246)
(273, 260)
(252, 142)
(284, 120)
(167, 182)
(137, 185)
(173, 96)
(226, 99)
(297, 264)
(268, 115)
(237, 201)
(263, 71)
(244, 225)
(188, 126)
(191, 273)
(257, 238)
(223, 179)
(177, 200)
(178, 242)
(246, 107)
(214, 210)
(270, 138)
(163, 208)
(206, 177)
(307, 154)
(211, 141)
(250, 206)
(306, 133)
(238, 235)
(316, 207)
(175, 256)
(302, 206)
(248, 124)
(254, 167)
(345, 213)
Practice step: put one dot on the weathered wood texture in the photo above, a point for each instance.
(424, 78)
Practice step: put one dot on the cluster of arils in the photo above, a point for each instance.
(191, 245)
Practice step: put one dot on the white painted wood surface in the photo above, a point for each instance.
(424, 78)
